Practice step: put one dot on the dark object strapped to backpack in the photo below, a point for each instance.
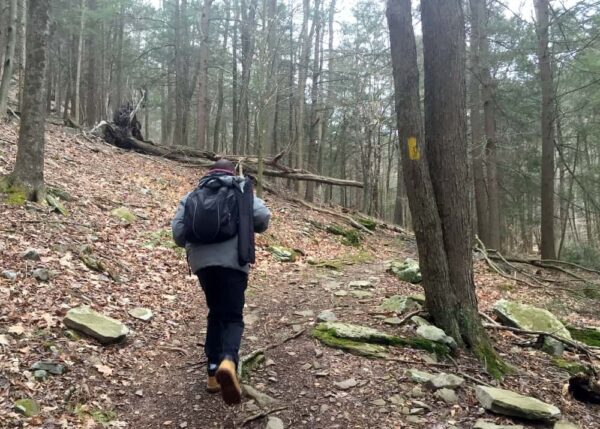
(218, 210)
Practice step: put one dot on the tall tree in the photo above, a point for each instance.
(203, 74)
(542, 11)
(434, 167)
(77, 106)
(29, 164)
(9, 56)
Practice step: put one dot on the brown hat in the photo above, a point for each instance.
(224, 166)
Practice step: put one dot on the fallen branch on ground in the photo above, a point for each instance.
(348, 219)
(261, 415)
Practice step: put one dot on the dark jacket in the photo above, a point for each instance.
(225, 253)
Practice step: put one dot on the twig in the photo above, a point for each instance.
(474, 379)
(348, 219)
(173, 349)
(408, 317)
(414, 362)
(255, 353)
(261, 415)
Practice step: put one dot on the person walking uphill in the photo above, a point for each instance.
(216, 224)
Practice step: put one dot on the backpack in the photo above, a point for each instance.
(211, 212)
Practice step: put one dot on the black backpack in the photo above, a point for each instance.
(211, 212)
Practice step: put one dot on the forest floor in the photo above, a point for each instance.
(156, 378)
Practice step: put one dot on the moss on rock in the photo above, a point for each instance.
(589, 336)
(350, 236)
(572, 367)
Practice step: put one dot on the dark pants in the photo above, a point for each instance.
(224, 290)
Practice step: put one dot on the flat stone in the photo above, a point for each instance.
(261, 398)
(51, 367)
(514, 404)
(416, 419)
(360, 284)
(332, 284)
(443, 380)
(361, 294)
(420, 321)
(416, 392)
(397, 400)
(433, 333)
(41, 274)
(407, 271)
(141, 313)
(392, 321)
(103, 328)
(327, 316)
(346, 384)
(9, 275)
(31, 255)
(341, 293)
(124, 214)
(305, 313)
(399, 304)
(283, 254)
(419, 376)
(274, 423)
(27, 407)
(447, 395)
(40, 374)
(530, 318)
(482, 424)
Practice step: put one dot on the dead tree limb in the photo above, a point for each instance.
(348, 219)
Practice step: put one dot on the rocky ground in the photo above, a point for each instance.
(111, 251)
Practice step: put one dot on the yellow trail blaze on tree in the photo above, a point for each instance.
(413, 150)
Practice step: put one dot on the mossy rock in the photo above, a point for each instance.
(124, 214)
(370, 224)
(359, 348)
(364, 334)
(15, 195)
(350, 236)
(589, 336)
(530, 318)
(60, 193)
(407, 271)
(283, 254)
(27, 407)
(571, 366)
(56, 205)
(160, 238)
(400, 304)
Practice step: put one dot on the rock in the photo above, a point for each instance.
(346, 384)
(360, 284)
(392, 321)
(419, 376)
(105, 329)
(573, 367)
(447, 395)
(530, 318)
(141, 313)
(40, 374)
(332, 284)
(482, 424)
(553, 347)
(31, 255)
(407, 271)
(27, 407)
(124, 214)
(399, 304)
(261, 399)
(443, 380)
(341, 293)
(41, 274)
(420, 321)
(51, 367)
(274, 423)
(433, 333)
(416, 392)
(327, 316)
(283, 254)
(379, 402)
(305, 313)
(589, 336)
(565, 424)
(56, 205)
(9, 275)
(514, 404)
(416, 419)
(361, 294)
(396, 400)
(251, 318)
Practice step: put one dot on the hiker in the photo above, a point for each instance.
(216, 224)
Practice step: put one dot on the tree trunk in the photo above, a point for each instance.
(29, 164)
(315, 115)
(76, 113)
(542, 11)
(438, 193)
(477, 142)
(9, 56)
(218, 130)
(23, 56)
(203, 76)
(235, 127)
(91, 109)
(248, 28)
(118, 99)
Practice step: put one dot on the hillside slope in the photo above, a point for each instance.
(156, 377)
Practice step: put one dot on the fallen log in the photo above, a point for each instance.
(122, 138)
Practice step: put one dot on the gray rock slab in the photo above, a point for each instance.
(103, 328)
(514, 404)
(141, 313)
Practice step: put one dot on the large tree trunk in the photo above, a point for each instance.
(477, 142)
(218, 130)
(91, 102)
(29, 165)
(248, 29)
(9, 56)
(434, 169)
(23, 55)
(542, 10)
(76, 115)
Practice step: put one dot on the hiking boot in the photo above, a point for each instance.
(212, 385)
(227, 378)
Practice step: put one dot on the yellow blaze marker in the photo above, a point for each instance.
(413, 150)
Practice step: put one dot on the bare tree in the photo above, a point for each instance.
(9, 56)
